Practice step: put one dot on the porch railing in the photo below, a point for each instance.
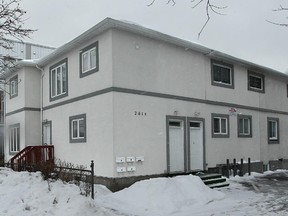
(32, 155)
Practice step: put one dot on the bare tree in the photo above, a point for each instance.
(210, 7)
(280, 9)
(11, 26)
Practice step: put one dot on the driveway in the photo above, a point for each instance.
(274, 187)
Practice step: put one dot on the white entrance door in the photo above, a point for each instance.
(176, 146)
(47, 134)
(196, 153)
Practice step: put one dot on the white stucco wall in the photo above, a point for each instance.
(80, 86)
(146, 64)
(99, 128)
(136, 135)
(18, 102)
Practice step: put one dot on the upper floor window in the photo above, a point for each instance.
(14, 138)
(256, 82)
(89, 60)
(222, 74)
(59, 80)
(273, 130)
(220, 125)
(78, 128)
(244, 126)
(13, 86)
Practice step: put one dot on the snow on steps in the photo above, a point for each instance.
(213, 180)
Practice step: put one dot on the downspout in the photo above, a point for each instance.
(41, 101)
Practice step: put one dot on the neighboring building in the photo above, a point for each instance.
(139, 102)
(19, 51)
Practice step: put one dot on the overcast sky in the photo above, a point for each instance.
(242, 32)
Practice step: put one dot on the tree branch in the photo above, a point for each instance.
(209, 7)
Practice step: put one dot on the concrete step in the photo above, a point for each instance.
(219, 185)
(209, 176)
(214, 181)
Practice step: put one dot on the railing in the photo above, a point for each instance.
(32, 155)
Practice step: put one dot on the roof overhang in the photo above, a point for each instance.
(110, 23)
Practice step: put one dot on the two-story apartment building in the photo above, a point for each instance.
(139, 102)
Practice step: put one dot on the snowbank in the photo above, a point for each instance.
(24, 193)
(161, 196)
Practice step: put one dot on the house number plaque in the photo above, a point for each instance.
(139, 113)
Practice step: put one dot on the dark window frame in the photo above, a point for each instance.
(257, 75)
(80, 139)
(18, 139)
(58, 64)
(273, 141)
(223, 65)
(221, 116)
(239, 118)
(84, 50)
(11, 80)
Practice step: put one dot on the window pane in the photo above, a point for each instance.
(223, 126)
(53, 83)
(221, 74)
(225, 75)
(74, 129)
(64, 79)
(93, 58)
(216, 73)
(255, 82)
(85, 62)
(272, 129)
(81, 128)
(11, 139)
(241, 126)
(14, 139)
(58, 81)
(216, 125)
(18, 139)
(246, 128)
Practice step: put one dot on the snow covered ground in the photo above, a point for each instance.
(24, 194)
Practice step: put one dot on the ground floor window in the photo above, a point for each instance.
(220, 125)
(78, 128)
(14, 138)
(244, 126)
(273, 130)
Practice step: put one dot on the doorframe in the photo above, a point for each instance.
(43, 124)
(183, 119)
(189, 119)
